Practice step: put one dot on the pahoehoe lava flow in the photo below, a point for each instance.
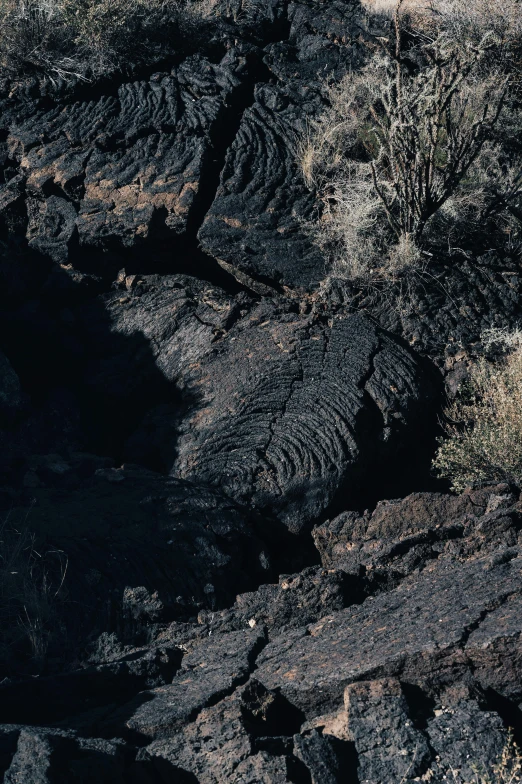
(225, 555)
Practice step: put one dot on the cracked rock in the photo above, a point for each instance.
(299, 411)
(208, 674)
(422, 632)
(123, 169)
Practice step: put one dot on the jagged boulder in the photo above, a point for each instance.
(405, 535)
(214, 669)
(297, 599)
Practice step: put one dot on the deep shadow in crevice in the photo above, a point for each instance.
(161, 771)
(297, 771)
(223, 133)
(172, 256)
(421, 706)
(46, 701)
(50, 352)
(267, 713)
(346, 754)
(82, 759)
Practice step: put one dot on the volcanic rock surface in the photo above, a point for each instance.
(200, 437)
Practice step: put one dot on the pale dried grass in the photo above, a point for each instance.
(462, 16)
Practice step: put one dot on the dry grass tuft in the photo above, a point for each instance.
(473, 17)
(31, 585)
(484, 434)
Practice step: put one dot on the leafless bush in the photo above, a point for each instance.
(484, 431)
(31, 584)
(405, 146)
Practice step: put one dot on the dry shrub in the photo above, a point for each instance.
(484, 431)
(487, 206)
(31, 585)
(405, 155)
(476, 17)
(33, 33)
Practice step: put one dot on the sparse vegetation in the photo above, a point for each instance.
(31, 584)
(409, 152)
(507, 769)
(84, 39)
(484, 424)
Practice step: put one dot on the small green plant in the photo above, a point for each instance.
(484, 424)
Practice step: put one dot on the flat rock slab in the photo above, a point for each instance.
(428, 631)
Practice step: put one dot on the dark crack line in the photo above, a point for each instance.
(494, 605)
(237, 682)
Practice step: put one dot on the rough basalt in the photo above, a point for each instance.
(428, 631)
(194, 416)
(255, 224)
(415, 681)
(302, 408)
